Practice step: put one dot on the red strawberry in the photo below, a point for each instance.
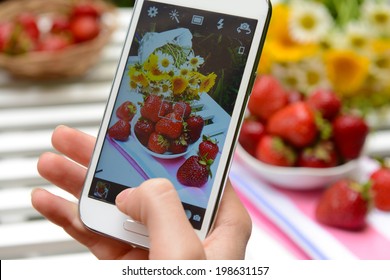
(344, 204)
(60, 25)
(29, 25)
(208, 148)
(349, 132)
(182, 109)
(326, 102)
(152, 107)
(5, 34)
(267, 97)
(84, 28)
(120, 131)
(272, 150)
(380, 180)
(194, 127)
(143, 128)
(295, 123)
(170, 126)
(321, 155)
(126, 111)
(250, 134)
(53, 42)
(86, 9)
(194, 172)
(179, 145)
(158, 143)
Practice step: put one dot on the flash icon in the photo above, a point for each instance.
(220, 24)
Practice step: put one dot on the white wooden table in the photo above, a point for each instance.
(28, 114)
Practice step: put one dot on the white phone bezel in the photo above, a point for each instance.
(105, 218)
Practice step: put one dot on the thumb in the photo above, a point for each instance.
(156, 204)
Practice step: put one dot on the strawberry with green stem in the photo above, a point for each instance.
(345, 204)
(194, 172)
(208, 148)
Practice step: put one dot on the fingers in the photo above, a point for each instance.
(62, 172)
(65, 214)
(74, 144)
(232, 228)
(156, 204)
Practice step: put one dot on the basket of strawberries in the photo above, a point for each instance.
(53, 39)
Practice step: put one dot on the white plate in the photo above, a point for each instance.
(298, 178)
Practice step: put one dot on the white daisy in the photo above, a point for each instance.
(309, 21)
(185, 70)
(314, 73)
(195, 61)
(377, 14)
(165, 62)
(290, 75)
(357, 36)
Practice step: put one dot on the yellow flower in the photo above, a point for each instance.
(207, 82)
(279, 43)
(346, 70)
(137, 77)
(179, 85)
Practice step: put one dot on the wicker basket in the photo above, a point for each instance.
(73, 61)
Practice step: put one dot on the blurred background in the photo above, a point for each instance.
(340, 46)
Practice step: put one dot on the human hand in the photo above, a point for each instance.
(155, 203)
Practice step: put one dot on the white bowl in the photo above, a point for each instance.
(298, 178)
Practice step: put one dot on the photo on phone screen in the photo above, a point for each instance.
(179, 89)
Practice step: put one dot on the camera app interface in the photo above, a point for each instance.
(174, 104)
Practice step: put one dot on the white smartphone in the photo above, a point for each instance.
(184, 78)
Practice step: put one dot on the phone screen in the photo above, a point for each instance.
(180, 85)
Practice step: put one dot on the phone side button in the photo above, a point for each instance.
(135, 227)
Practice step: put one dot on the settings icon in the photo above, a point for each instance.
(152, 12)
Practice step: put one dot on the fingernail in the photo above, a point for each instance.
(123, 195)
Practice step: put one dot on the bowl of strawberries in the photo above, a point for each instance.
(300, 142)
(53, 39)
(166, 129)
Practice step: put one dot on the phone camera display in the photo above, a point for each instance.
(175, 102)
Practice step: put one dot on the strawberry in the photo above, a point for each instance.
(326, 102)
(126, 111)
(251, 132)
(5, 34)
(53, 42)
(194, 127)
(380, 180)
(60, 25)
(295, 123)
(267, 97)
(143, 128)
(345, 204)
(208, 148)
(272, 150)
(84, 28)
(349, 132)
(29, 25)
(182, 109)
(86, 9)
(194, 172)
(120, 131)
(179, 145)
(170, 126)
(321, 155)
(152, 107)
(158, 143)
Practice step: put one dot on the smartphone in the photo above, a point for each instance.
(184, 78)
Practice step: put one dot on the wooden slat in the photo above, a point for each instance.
(35, 238)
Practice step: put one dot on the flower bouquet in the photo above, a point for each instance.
(343, 46)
